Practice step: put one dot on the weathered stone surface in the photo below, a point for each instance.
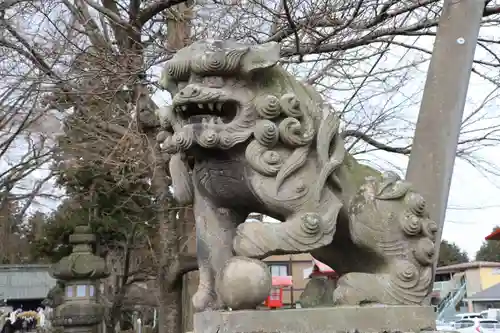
(246, 282)
(318, 320)
(82, 268)
(245, 136)
(318, 292)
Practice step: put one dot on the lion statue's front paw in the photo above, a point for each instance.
(204, 300)
(250, 241)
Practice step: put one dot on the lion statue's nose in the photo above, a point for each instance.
(189, 91)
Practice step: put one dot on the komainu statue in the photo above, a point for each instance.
(243, 136)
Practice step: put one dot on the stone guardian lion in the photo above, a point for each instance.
(245, 136)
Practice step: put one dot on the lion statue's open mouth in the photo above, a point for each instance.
(213, 112)
(208, 117)
(216, 88)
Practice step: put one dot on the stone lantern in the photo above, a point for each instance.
(81, 271)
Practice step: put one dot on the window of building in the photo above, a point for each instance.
(279, 269)
(81, 290)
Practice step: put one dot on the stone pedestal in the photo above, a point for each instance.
(319, 320)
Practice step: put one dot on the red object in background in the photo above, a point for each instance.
(321, 269)
(495, 235)
(275, 298)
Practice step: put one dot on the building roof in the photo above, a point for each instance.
(495, 235)
(318, 269)
(490, 294)
(465, 266)
(323, 268)
(25, 281)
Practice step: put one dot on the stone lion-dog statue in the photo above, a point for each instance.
(243, 136)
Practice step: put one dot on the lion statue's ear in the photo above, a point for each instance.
(261, 57)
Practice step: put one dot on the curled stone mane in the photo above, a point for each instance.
(292, 113)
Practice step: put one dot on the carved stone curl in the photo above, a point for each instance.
(268, 106)
(291, 106)
(209, 139)
(266, 133)
(180, 141)
(265, 161)
(291, 132)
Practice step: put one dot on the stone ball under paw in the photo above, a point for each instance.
(245, 283)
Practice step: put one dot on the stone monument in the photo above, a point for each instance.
(245, 136)
(80, 310)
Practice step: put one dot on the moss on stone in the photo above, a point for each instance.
(359, 172)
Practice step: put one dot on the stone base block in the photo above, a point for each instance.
(343, 319)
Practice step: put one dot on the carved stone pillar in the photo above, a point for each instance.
(81, 271)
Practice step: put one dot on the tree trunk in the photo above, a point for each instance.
(170, 296)
(179, 26)
(189, 280)
(170, 309)
(170, 312)
(170, 300)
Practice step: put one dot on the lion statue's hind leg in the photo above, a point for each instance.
(389, 219)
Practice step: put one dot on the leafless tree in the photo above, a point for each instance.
(131, 265)
(24, 151)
